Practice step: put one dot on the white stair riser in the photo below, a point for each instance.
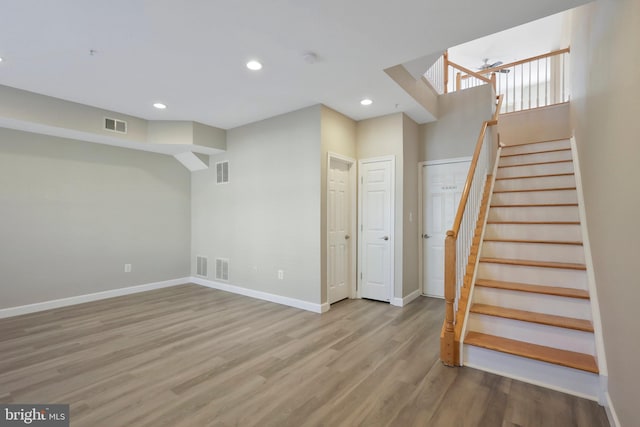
(553, 156)
(576, 279)
(547, 304)
(540, 146)
(535, 183)
(535, 170)
(542, 213)
(534, 251)
(549, 336)
(535, 197)
(567, 380)
(556, 232)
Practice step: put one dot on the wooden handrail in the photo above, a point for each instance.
(449, 351)
(522, 61)
(469, 72)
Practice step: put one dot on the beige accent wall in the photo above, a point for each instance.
(411, 239)
(605, 63)
(337, 135)
(267, 218)
(74, 213)
(455, 134)
(524, 126)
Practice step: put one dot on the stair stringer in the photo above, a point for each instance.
(591, 281)
(477, 261)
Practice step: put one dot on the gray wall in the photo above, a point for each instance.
(73, 213)
(338, 135)
(456, 132)
(605, 63)
(410, 136)
(268, 216)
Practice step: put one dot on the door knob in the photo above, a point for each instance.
(347, 237)
(425, 236)
(385, 238)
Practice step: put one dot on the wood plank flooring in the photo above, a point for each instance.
(194, 356)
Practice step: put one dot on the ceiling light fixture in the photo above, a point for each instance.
(254, 65)
(0, 58)
(366, 102)
(160, 105)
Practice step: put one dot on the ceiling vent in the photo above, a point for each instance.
(222, 172)
(115, 125)
(201, 266)
(222, 269)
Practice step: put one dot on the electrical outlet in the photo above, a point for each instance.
(127, 268)
(281, 274)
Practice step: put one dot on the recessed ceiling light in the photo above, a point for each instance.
(366, 102)
(254, 65)
(160, 105)
(0, 59)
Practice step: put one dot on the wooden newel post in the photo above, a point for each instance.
(448, 350)
(493, 81)
(458, 82)
(445, 61)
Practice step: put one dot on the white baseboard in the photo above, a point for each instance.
(611, 412)
(279, 299)
(79, 299)
(401, 302)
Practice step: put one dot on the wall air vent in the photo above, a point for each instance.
(222, 172)
(201, 266)
(222, 269)
(115, 125)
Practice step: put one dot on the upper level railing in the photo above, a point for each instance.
(530, 83)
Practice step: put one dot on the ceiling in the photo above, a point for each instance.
(191, 54)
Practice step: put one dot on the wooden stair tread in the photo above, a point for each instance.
(530, 263)
(533, 190)
(535, 205)
(542, 242)
(536, 222)
(536, 152)
(535, 142)
(570, 359)
(530, 316)
(550, 175)
(535, 163)
(538, 289)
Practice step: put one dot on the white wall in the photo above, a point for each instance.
(605, 64)
(268, 216)
(411, 240)
(455, 134)
(73, 213)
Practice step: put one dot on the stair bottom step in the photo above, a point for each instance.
(570, 359)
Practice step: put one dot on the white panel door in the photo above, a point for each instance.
(338, 226)
(376, 230)
(442, 188)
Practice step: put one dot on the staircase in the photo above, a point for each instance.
(530, 314)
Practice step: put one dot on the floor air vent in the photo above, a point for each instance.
(115, 125)
(222, 269)
(201, 266)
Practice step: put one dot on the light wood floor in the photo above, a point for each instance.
(193, 356)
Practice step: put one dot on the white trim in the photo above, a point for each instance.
(445, 161)
(392, 237)
(401, 302)
(591, 279)
(614, 421)
(265, 296)
(421, 166)
(80, 299)
(353, 189)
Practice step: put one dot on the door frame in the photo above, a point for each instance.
(421, 210)
(353, 188)
(392, 237)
